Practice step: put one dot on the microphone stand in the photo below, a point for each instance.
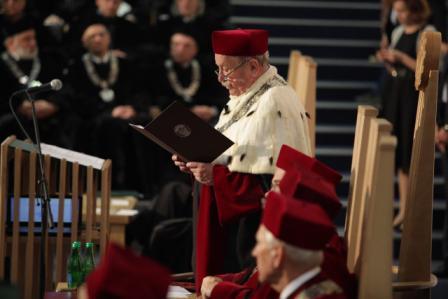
(47, 217)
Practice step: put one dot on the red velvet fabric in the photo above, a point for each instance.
(123, 274)
(236, 194)
(250, 289)
(335, 265)
(296, 222)
(240, 42)
(312, 189)
(290, 158)
(232, 196)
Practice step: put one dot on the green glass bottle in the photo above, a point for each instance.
(74, 270)
(89, 260)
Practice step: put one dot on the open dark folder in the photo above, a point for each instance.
(181, 132)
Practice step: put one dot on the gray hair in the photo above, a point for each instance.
(298, 255)
(263, 59)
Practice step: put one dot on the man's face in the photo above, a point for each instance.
(265, 256)
(233, 73)
(183, 48)
(96, 39)
(108, 8)
(13, 7)
(23, 44)
(187, 8)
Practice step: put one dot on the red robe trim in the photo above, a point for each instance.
(250, 289)
(232, 196)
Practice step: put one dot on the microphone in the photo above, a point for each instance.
(54, 84)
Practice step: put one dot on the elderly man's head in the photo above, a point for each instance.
(108, 8)
(189, 8)
(273, 255)
(238, 73)
(183, 48)
(241, 57)
(96, 39)
(290, 239)
(21, 41)
(13, 8)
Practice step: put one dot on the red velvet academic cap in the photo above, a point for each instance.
(311, 188)
(240, 42)
(296, 222)
(122, 274)
(290, 158)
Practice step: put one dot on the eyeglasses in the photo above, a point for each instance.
(226, 76)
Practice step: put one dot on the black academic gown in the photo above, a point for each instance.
(100, 134)
(52, 128)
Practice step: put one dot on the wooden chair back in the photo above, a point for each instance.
(373, 257)
(66, 180)
(359, 158)
(302, 78)
(415, 249)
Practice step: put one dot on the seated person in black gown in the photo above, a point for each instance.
(197, 14)
(124, 34)
(105, 97)
(185, 78)
(22, 65)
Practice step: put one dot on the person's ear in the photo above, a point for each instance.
(9, 41)
(277, 256)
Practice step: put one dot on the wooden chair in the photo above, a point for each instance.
(414, 274)
(359, 157)
(69, 175)
(373, 243)
(302, 78)
(293, 68)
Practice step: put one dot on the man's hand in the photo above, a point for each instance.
(441, 139)
(204, 112)
(208, 283)
(181, 164)
(123, 112)
(203, 172)
(44, 109)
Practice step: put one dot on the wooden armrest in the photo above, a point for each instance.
(182, 276)
(402, 286)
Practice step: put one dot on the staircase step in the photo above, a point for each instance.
(340, 90)
(323, 47)
(344, 69)
(307, 9)
(309, 28)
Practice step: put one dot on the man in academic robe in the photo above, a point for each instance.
(263, 113)
(105, 98)
(306, 179)
(125, 35)
(289, 250)
(22, 65)
(184, 77)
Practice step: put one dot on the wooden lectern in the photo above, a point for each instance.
(69, 175)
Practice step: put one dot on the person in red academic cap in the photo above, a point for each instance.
(124, 275)
(289, 250)
(309, 180)
(263, 113)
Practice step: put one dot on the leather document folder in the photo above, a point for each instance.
(181, 132)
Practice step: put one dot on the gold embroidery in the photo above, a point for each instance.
(326, 287)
